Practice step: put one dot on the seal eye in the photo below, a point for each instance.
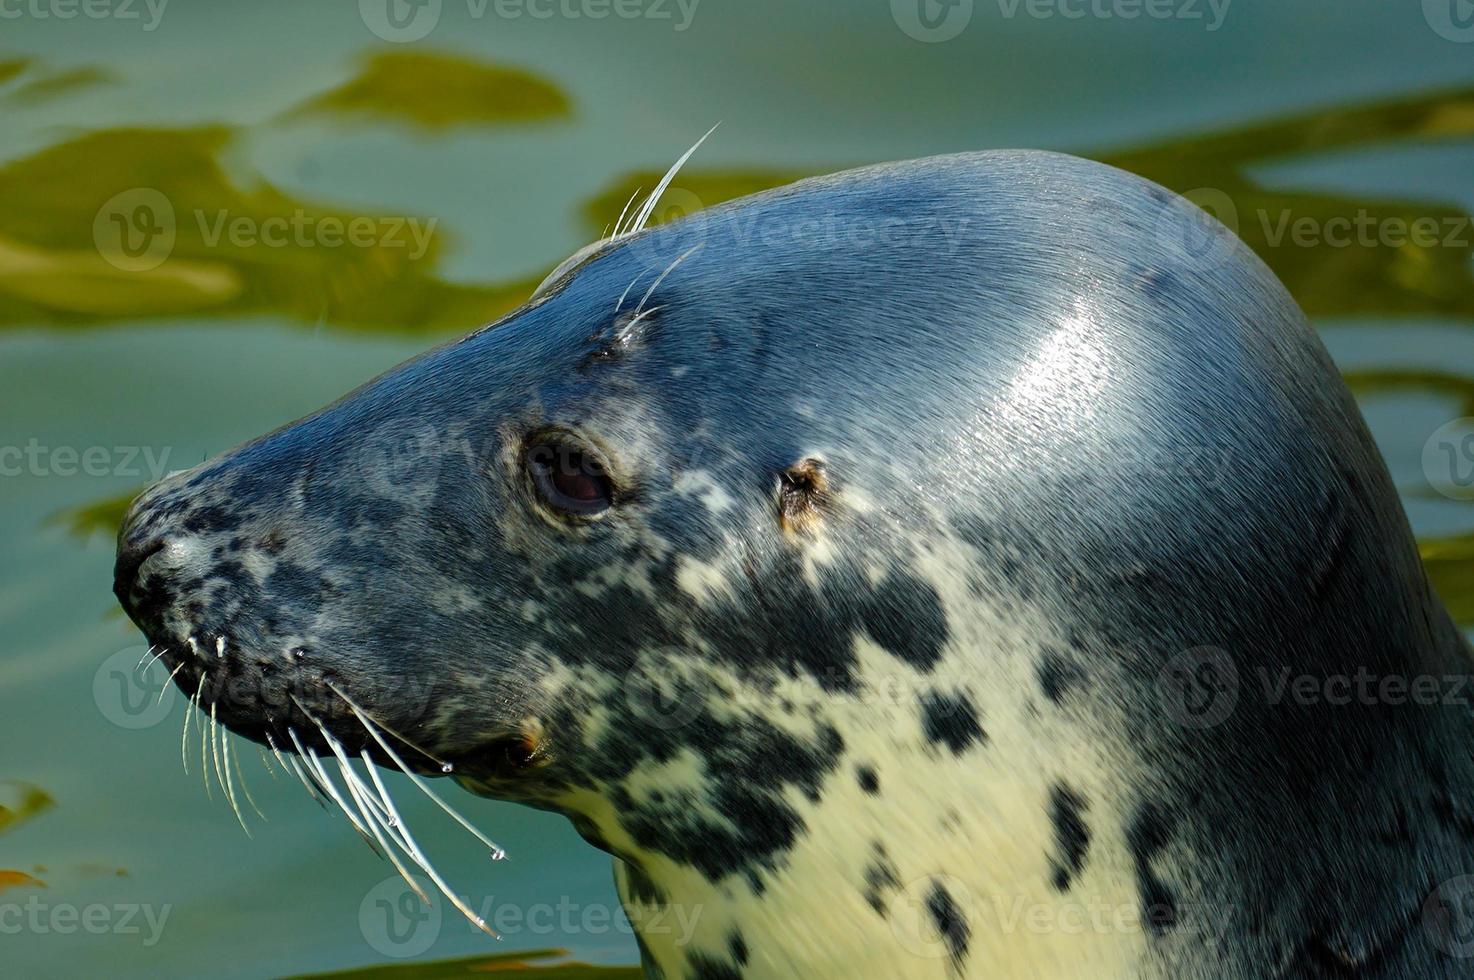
(569, 479)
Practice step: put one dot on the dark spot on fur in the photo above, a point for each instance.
(905, 615)
(737, 947)
(1071, 836)
(869, 781)
(641, 887)
(1057, 675)
(753, 763)
(298, 586)
(1157, 283)
(230, 571)
(211, 520)
(705, 967)
(950, 922)
(1146, 838)
(880, 878)
(952, 720)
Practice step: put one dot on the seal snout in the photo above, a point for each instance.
(128, 583)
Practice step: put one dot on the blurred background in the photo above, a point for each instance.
(215, 217)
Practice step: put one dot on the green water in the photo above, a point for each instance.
(496, 144)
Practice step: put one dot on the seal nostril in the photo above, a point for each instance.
(132, 553)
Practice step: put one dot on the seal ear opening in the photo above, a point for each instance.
(803, 496)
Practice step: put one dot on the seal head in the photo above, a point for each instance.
(871, 565)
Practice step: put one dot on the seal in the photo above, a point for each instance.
(965, 567)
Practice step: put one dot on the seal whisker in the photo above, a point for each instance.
(337, 747)
(648, 207)
(221, 744)
(394, 819)
(215, 747)
(325, 781)
(497, 851)
(163, 688)
(322, 777)
(230, 783)
(634, 321)
(146, 654)
(235, 761)
(276, 752)
(661, 278)
(444, 766)
(619, 304)
(290, 762)
(375, 816)
(184, 733)
(419, 856)
(376, 806)
(266, 762)
(622, 211)
(204, 734)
